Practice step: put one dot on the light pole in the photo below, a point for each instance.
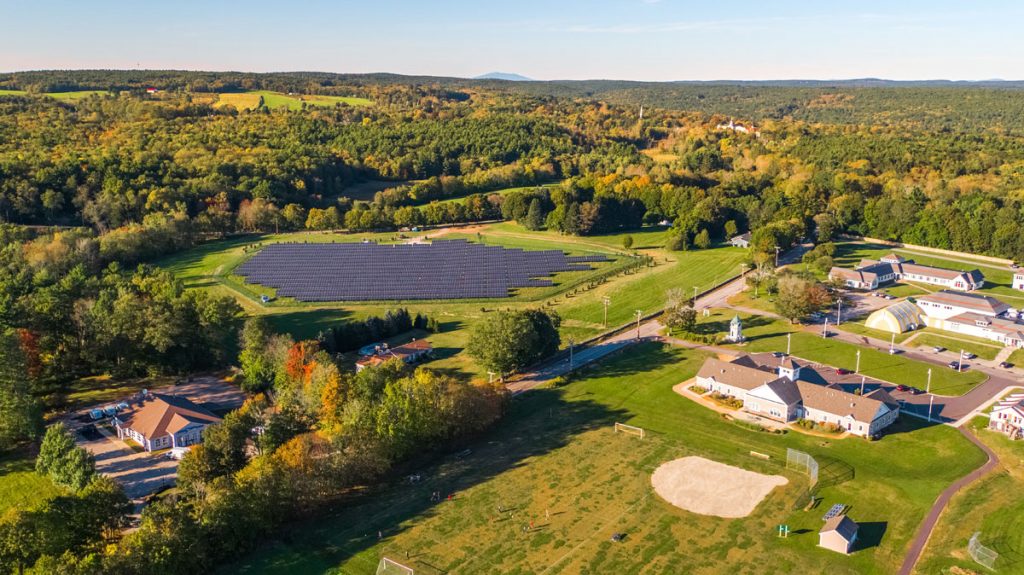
(606, 300)
(931, 401)
(777, 250)
(892, 344)
(789, 341)
(694, 297)
(639, 314)
(857, 370)
(960, 363)
(824, 329)
(928, 387)
(839, 312)
(862, 378)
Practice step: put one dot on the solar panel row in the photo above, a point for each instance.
(444, 269)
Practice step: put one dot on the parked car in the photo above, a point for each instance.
(915, 391)
(1005, 364)
(95, 414)
(841, 371)
(778, 354)
(887, 296)
(895, 350)
(938, 349)
(902, 388)
(109, 410)
(954, 365)
(969, 355)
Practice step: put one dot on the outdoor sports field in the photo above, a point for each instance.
(576, 296)
(555, 461)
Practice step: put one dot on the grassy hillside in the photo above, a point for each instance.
(556, 462)
(250, 100)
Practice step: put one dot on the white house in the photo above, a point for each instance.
(164, 421)
(787, 390)
(1018, 280)
(1007, 416)
(412, 352)
(741, 241)
(870, 274)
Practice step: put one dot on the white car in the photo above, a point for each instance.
(177, 453)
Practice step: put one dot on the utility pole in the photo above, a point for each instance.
(606, 300)
(639, 314)
(857, 370)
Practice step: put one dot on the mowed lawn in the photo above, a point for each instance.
(556, 462)
(20, 486)
(767, 334)
(577, 297)
(992, 507)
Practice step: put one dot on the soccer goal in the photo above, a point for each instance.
(983, 555)
(392, 567)
(631, 429)
(802, 462)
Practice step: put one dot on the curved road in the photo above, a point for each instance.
(924, 532)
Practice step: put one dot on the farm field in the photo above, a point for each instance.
(577, 297)
(555, 461)
(992, 506)
(767, 334)
(67, 96)
(250, 100)
(20, 486)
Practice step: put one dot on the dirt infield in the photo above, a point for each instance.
(711, 488)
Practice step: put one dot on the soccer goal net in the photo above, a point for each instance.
(392, 567)
(802, 462)
(983, 555)
(631, 429)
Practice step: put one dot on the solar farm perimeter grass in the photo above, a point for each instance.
(210, 267)
(555, 461)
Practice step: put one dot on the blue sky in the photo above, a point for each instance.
(554, 39)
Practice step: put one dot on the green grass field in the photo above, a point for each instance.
(250, 100)
(65, 96)
(20, 486)
(555, 461)
(210, 267)
(993, 506)
(767, 334)
(980, 347)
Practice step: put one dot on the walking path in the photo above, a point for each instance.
(924, 532)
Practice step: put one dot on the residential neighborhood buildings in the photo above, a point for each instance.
(786, 389)
(161, 421)
(870, 274)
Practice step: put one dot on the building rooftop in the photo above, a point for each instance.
(165, 414)
(843, 525)
(975, 302)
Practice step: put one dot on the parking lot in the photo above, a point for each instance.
(139, 472)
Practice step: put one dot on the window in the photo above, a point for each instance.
(754, 406)
(775, 412)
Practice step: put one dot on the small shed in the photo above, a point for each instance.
(838, 534)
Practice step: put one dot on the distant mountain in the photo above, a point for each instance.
(503, 76)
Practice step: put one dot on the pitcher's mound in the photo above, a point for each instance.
(711, 488)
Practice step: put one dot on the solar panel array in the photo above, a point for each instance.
(443, 269)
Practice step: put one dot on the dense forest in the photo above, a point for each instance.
(93, 189)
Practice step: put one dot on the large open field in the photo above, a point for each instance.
(250, 100)
(992, 507)
(576, 296)
(67, 96)
(556, 462)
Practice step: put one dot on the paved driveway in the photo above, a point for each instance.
(142, 473)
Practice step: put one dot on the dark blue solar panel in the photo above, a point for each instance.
(444, 269)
